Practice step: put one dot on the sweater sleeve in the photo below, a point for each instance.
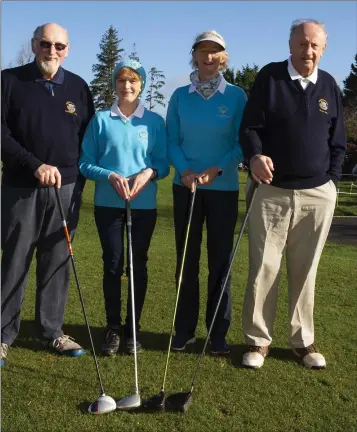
(235, 156)
(176, 155)
(13, 154)
(88, 110)
(337, 140)
(253, 121)
(88, 161)
(159, 152)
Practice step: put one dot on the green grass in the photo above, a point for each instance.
(45, 393)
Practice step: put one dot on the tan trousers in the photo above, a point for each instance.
(296, 222)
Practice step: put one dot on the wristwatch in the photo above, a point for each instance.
(219, 172)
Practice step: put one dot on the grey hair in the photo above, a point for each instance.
(39, 31)
(297, 23)
(224, 54)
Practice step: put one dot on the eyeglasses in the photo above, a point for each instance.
(47, 45)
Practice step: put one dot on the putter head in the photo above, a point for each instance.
(155, 403)
(102, 405)
(129, 402)
(178, 402)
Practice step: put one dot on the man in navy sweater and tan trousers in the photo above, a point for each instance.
(45, 111)
(293, 134)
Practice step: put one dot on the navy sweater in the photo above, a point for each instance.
(301, 130)
(38, 128)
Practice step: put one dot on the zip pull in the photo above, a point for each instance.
(53, 93)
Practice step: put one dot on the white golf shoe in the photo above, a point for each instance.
(310, 357)
(254, 358)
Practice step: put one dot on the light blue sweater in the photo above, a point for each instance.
(126, 148)
(204, 132)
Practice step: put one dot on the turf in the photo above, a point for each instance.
(45, 393)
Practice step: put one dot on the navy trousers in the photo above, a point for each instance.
(31, 221)
(111, 224)
(219, 209)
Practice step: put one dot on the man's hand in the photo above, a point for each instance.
(207, 176)
(261, 167)
(188, 178)
(48, 175)
(140, 182)
(120, 184)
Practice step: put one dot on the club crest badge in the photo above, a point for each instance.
(143, 135)
(71, 108)
(323, 105)
(223, 110)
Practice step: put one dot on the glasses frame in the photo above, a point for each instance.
(52, 44)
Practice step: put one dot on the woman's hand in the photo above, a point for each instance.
(188, 178)
(140, 182)
(207, 176)
(121, 185)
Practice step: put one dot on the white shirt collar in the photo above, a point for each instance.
(221, 88)
(294, 74)
(115, 112)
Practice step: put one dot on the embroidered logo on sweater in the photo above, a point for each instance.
(323, 105)
(223, 111)
(143, 135)
(71, 108)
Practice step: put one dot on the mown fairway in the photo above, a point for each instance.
(45, 393)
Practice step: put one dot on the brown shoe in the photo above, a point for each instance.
(254, 358)
(310, 357)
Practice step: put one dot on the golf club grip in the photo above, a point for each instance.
(252, 194)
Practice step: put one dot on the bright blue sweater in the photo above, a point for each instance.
(126, 148)
(204, 132)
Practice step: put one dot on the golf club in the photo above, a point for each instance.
(104, 403)
(156, 403)
(131, 401)
(182, 400)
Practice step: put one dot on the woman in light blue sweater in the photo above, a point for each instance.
(202, 123)
(124, 152)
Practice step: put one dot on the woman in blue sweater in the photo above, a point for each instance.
(202, 122)
(124, 152)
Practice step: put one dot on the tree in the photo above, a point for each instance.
(157, 81)
(350, 86)
(25, 55)
(110, 54)
(244, 78)
(134, 55)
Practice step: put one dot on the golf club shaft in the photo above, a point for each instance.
(252, 196)
(131, 281)
(69, 245)
(192, 202)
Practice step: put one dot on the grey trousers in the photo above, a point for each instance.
(31, 220)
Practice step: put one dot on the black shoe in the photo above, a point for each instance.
(111, 342)
(130, 345)
(179, 342)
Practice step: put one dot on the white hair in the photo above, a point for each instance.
(297, 23)
(39, 31)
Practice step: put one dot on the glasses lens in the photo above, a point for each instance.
(45, 44)
(60, 46)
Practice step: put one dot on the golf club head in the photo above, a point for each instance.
(102, 405)
(178, 402)
(129, 402)
(155, 403)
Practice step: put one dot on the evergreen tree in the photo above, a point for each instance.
(157, 81)
(134, 55)
(110, 54)
(350, 86)
(243, 78)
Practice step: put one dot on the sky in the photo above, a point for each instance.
(163, 31)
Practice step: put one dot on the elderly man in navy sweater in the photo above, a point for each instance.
(45, 111)
(293, 134)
